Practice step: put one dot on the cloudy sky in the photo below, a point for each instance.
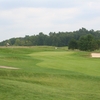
(28, 17)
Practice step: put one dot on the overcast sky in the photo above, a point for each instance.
(28, 17)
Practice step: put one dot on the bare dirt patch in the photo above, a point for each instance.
(8, 67)
(96, 55)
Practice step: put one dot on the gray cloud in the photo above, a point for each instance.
(29, 17)
(8, 4)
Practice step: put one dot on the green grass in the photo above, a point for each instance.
(48, 74)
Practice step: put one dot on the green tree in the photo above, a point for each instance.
(73, 44)
(87, 43)
(17, 42)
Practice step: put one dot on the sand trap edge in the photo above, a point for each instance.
(95, 55)
(6, 67)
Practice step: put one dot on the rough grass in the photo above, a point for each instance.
(48, 74)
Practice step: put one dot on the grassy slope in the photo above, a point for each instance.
(48, 74)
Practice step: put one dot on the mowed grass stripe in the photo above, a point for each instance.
(69, 61)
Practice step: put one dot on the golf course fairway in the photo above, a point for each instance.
(46, 73)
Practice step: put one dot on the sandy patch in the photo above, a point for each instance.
(96, 55)
(8, 67)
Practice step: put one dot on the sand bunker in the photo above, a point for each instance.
(96, 55)
(8, 67)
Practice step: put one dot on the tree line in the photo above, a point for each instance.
(85, 43)
(74, 40)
